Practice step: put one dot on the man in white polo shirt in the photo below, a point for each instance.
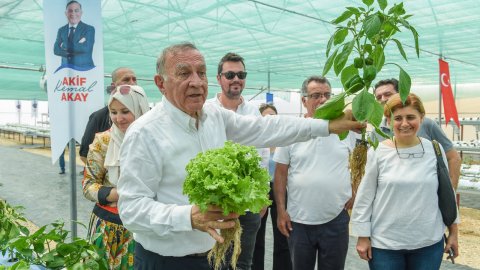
(317, 176)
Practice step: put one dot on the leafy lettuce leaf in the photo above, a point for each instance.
(229, 177)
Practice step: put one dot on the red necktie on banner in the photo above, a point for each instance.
(447, 95)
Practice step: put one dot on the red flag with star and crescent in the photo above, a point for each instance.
(447, 95)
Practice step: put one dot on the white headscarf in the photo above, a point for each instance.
(134, 98)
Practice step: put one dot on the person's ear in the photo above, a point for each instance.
(304, 101)
(160, 83)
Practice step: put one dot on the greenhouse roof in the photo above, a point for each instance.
(282, 41)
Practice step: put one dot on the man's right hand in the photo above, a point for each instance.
(212, 220)
(344, 123)
(284, 223)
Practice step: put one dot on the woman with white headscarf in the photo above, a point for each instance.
(126, 104)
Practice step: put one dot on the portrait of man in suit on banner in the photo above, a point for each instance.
(74, 42)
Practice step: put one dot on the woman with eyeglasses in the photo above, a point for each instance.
(396, 214)
(126, 104)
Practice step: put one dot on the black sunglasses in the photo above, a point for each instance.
(229, 75)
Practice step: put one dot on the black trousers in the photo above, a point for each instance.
(147, 260)
(281, 253)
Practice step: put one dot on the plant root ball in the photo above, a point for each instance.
(358, 160)
(217, 256)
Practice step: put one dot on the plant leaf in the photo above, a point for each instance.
(347, 73)
(354, 10)
(368, 2)
(404, 84)
(400, 48)
(362, 105)
(331, 109)
(377, 114)
(342, 57)
(329, 45)
(380, 132)
(342, 136)
(382, 4)
(378, 57)
(340, 35)
(415, 37)
(345, 15)
(372, 25)
(329, 63)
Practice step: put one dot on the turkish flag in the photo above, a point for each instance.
(447, 95)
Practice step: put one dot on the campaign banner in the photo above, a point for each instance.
(447, 96)
(74, 67)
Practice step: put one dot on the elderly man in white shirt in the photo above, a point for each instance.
(169, 231)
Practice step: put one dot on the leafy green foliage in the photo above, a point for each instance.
(362, 105)
(48, 248)
(359, 56)
(331, 109)
(229, 177)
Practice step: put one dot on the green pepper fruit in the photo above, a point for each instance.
(355, 84)
(358, 62)
(369, 73)
(349, 82)
(368, 48)
(368, 61)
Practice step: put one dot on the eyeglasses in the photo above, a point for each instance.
(229, 75)
(125, 90)
(408, 155)
(319, 95)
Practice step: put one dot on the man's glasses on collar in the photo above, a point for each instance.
(125, 90)
(229, 75)
(408, 155)
(319, 95)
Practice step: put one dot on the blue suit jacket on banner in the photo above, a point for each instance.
(78, 52)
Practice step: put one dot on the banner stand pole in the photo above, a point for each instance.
(440, 97)
(73, 188)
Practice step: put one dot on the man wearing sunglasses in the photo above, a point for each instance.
(231, 77)
(99, 121)
(169, 231)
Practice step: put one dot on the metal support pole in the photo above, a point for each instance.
(440, 96)
(73, 188)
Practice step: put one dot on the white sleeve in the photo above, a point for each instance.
(272, 131)
(141, 172)
(282, 155)
(362, 208)
(265, 155)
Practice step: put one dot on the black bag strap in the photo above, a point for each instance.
(438, 153)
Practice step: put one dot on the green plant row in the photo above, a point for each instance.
(47, 247)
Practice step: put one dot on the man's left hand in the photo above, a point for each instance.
(212, 220)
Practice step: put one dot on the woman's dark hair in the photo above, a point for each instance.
(265, 106)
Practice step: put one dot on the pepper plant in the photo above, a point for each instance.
(356, 51)
(45, 247)
(358, 56)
